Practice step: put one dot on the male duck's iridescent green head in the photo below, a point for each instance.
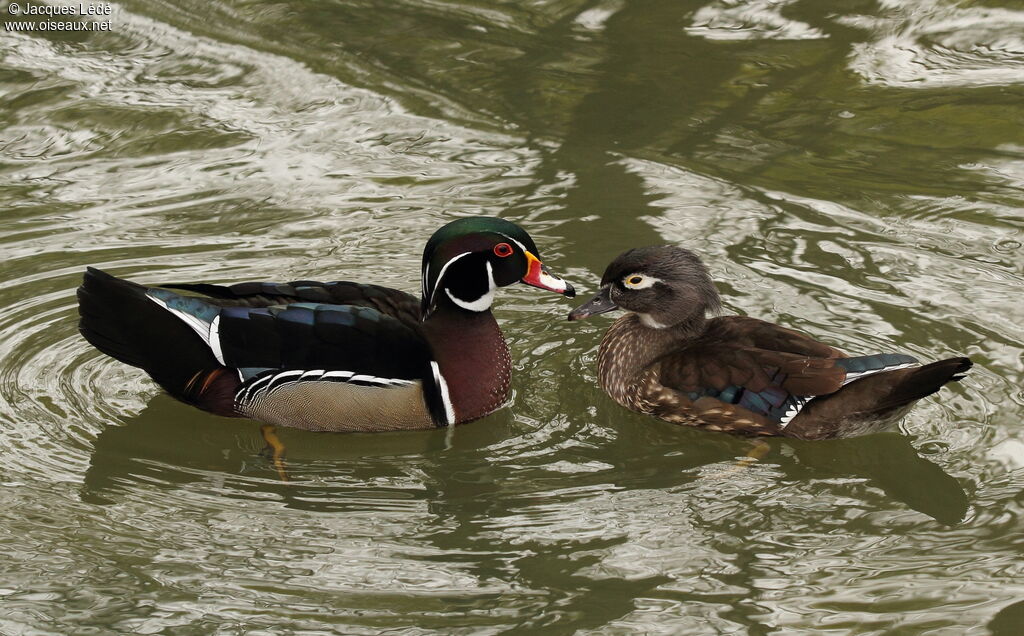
(467, 259)
(664, 285)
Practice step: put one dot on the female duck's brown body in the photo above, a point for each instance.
(734, 373)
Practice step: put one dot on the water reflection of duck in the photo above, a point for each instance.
(335, 473)
(739, 374)
(144, 452)
(337, 356)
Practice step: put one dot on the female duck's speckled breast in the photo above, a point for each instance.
(627, 349)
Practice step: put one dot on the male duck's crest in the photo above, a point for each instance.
(738, 374)
(337, 356)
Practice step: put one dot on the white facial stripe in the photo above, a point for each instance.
(440, 275)
(521, 246)
(446, 399)
(484, 302)
(426, 277)
(646, 282)
(553, 282)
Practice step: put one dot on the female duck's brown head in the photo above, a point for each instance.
(664, 285)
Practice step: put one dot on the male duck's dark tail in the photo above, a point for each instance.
(875, 401)
(119, 319)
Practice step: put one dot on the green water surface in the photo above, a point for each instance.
(852, 169)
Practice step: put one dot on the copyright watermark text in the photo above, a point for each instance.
(96, 16)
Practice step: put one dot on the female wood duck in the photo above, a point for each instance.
(337, 356)
(737, 374)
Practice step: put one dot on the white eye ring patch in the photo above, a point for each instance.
(644, 283)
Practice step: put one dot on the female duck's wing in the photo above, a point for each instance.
(390, 302)
(748, 389)
(751, 332)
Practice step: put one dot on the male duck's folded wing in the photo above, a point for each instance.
(312, 336)
(302, 344)
(390, 302)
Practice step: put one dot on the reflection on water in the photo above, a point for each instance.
(852, 170)
(154, 447)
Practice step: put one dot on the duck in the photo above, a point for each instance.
(330, 356)
(667, 358)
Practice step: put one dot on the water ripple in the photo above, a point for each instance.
(198, 143)
(924, 44)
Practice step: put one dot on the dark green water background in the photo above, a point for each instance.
(852, 169)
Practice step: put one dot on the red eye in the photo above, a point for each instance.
(503, 250)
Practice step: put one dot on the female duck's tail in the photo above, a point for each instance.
(873, 401)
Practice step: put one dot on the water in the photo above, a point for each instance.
(851, 169)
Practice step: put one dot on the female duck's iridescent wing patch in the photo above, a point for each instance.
(768, 384)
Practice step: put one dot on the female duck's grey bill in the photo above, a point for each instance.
(599, 304)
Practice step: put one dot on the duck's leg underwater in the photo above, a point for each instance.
(758, 450)
(274, 449)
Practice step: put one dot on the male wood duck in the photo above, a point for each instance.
(337, 356)
(743, 375)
